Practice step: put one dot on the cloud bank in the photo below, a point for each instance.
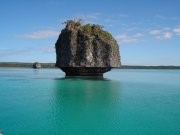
(43, 34)
(165, 33)
(124, 38)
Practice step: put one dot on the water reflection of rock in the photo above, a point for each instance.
(87, 91)
(78, 101)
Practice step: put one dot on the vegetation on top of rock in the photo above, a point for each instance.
(96, 30)
(89, 29)
(73, 24)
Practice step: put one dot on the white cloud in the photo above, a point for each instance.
(9, 52)
(89, 16)
(167, 35)
(137, 35)
(115, 17)
(162, 17)
(48, 48)
(177, 31)
(129, 38)
(162, 34)
(122, 15)
(41, 34)
(166, 29)
(93, 16)
(155, 32)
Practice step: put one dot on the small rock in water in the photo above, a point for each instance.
(36, 65)
(1, 133)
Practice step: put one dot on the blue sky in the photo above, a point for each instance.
(148, 32)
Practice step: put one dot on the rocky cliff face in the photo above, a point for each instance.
(86, 50)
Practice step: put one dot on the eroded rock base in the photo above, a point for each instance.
(85, 71)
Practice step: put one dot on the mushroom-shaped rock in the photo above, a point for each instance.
(86, 50)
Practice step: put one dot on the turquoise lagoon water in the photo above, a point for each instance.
(125, 102)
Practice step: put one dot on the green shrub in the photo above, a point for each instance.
(89, 29)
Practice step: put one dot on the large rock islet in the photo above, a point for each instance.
(86, 50)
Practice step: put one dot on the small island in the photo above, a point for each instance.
(36, 65)
(86, 50)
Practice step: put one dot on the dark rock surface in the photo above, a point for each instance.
(86, 50)
(36, 65)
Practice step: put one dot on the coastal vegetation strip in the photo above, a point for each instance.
(25, 65)
(52, 65)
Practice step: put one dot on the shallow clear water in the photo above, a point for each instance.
(125, 102)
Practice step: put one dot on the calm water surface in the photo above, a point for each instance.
(125, 102)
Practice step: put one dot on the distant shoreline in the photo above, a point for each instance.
(52, 65)
(149, 67)
(25, 65)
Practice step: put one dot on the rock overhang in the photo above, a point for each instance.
(86, 50)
